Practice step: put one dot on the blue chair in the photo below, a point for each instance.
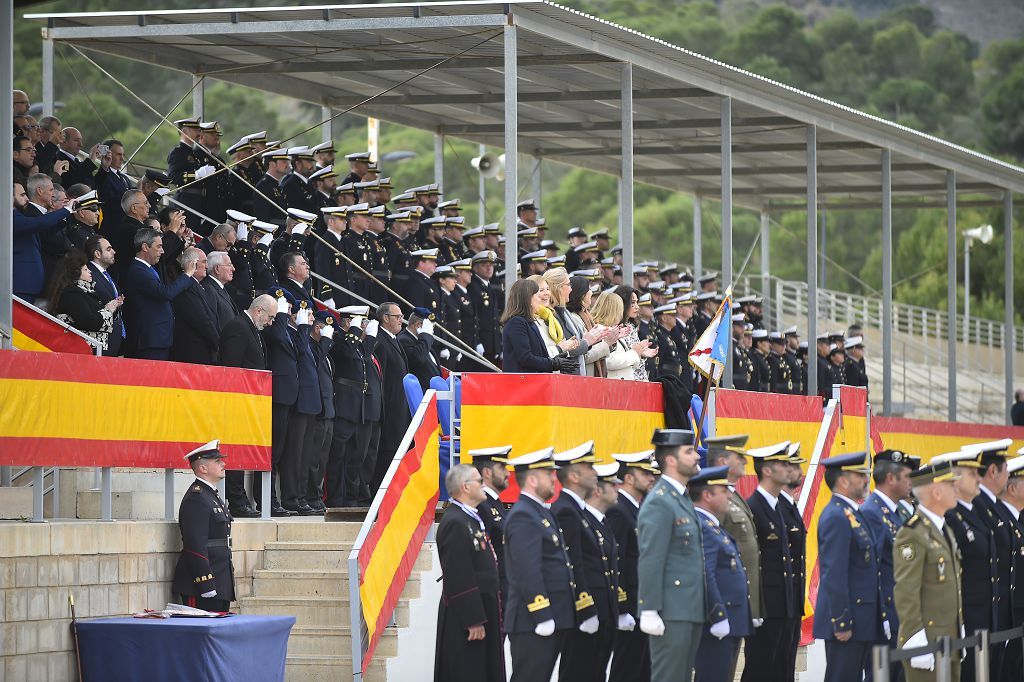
(444, 407)
(458, 399)
(413, 392)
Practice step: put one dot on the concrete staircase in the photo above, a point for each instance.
(305, 575)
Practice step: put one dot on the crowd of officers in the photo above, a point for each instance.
(654, 567)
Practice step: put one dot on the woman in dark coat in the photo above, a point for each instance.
(73, 299)
(523, 347)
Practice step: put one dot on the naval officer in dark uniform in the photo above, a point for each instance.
(203, 576)
(469, 642)
(848, 613)
(490, 462)
(540, 579)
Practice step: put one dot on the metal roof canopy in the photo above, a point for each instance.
(561, 85)
(569, 82)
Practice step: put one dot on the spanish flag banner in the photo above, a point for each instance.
(73, 410)
(405, 515)
(535, 411)
(35, 330)
(929, 438)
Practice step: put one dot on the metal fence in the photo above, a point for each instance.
(944, 650)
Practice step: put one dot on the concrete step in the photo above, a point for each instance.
(336, 641)
(16, 502)
(135, 505)
(332, 668)
(327, 555)
(312, 611)
(298, 530)
(311, 583)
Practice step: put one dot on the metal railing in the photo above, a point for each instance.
(944, 649)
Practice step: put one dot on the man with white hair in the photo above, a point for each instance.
(219, 272)
(196, 334)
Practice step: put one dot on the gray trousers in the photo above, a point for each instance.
(674, 654)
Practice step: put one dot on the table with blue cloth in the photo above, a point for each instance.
(242, 648)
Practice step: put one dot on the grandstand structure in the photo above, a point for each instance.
(538, 79)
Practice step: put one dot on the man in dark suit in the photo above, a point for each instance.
(196, 333)
(848, 613)
(219, 273)
(394, 365)
(293, 276)
(469, 642)
(318, 445)
(242, 345)
(29, 224)
(121, 235)
(101, 259)
(352, 430)
(78, 171)
(631, 661)
(417, 340)
(766, 653)
(111, 182)
(540, 602)
(149, 316)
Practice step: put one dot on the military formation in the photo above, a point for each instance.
(655, 567)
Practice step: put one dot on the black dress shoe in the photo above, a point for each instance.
(317, 505)
(244, 513)
(303, 510)
(281, 511)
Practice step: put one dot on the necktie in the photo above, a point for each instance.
(116, 294)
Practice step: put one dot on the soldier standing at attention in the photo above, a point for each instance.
(490, 462)
(203, 576)
(848, 614)
(540, 602)
(671, 564)
(796, 532)
(927, 569)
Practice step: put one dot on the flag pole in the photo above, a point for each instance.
(703, 411)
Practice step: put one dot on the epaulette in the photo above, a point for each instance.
(912, 521)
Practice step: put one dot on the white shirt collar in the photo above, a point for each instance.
(597, 514)
(988, 492)
(300, 176)
(546, 505)
(907, 505)
(471, 511)
(143, 262)
(934, 518)
(98, 266)
(462, 288)
(1013, 510)
(708, 514)
(214, 279)
(675, 484)
(576, 498)
(847, 500)
(68, 154)
(490, 493)
(43, 209)
(634, 501)
(388, 333)
(968, 505)
(215, 488)
(772, 499)
(886, 499)
(787, 496)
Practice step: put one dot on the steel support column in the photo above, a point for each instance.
(439, 162)
(198, 96)
(327, 129)
(626, 182)
(511, 154)
(812, 261)
(536, 184)
(481, 190)
(47, 77)
(727, 214)
(6, 179)
(1009, 342)
(698, 218)
(951, 292)
(772, 320)
(887, 282)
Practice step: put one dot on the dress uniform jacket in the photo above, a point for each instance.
(928, 582)
(469, 597)
(856, 373)
(762, 380)
(977, 548)
(739, 524)
(355, 247)
(883, 524)
(450, 317)
(378, 267)
(418, 356)
(422, 292)
(671, 571)
(669, 360)
(492, 512)
(780, 377)
(585, 657)
(398, 259)
(728, 599)
(468, 326)
(205, 560)
(990, 514)
(580, 542)
(298, 193)
(796, 534)
(333, 266)
(272, 211)
(1013, 665)
(488, 314)
(540, 576)
(631, 660)
(796, 371)
(180, 161)
(742, 367)
(699, 323)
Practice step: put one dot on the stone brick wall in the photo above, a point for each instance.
(112, 569)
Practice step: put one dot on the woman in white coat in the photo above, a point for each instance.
(623, 360)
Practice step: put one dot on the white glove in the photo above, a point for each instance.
(925, 662)
(590, 625)
(480, 348)
(963, 652)
(886, 629)
(651, 623)
(327, 331)
(720, 629)
(266, 239)
(427, 327)
(299, 229)
(626, 622)
(242, 231)
(371, 330)
(209, 595)
(757, 622)
(303, 316)
(282, 305)
(204, 171)
(356, 322)
(545, 629)
(329, 302)
(445, 354)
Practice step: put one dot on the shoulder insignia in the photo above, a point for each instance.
(912, 521)
(197, 489)
(539, 602)
(907, 552)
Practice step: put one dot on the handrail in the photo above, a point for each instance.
(68, 328)
(981, 641)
